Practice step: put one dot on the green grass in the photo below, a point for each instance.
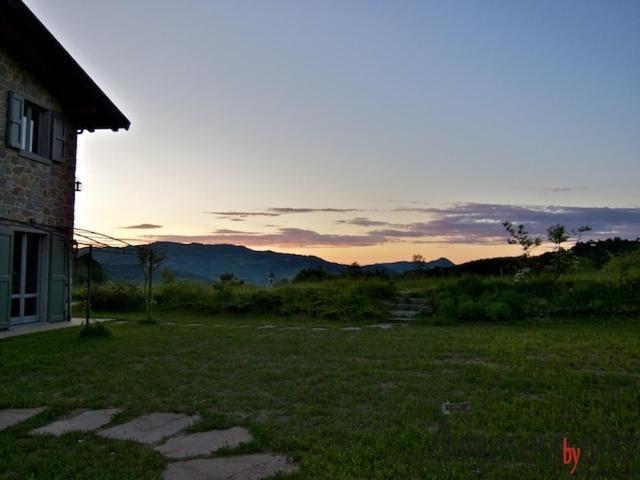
(347, 405)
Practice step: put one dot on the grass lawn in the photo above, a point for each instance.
(345, 404)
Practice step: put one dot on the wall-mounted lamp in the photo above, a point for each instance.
(78, 185)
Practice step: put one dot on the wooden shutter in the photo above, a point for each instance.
(6, 257)
(58, 268)
(15, 110)
(58, 137)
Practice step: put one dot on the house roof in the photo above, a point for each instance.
(29, 41)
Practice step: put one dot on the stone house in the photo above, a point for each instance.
(46, 100)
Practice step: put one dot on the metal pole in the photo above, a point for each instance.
(89, 275)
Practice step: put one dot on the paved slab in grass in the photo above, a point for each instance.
(79, 422)
(241, 467)
(351, 329)
(11, 416)
(151, 428)
(204, 443)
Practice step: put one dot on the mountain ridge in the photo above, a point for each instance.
(206, 262)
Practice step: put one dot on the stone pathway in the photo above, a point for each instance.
(13, 416)
(347, 328)
(407, 307)
(204, 443)
(242, 467)
(78, 422)
(152, 428)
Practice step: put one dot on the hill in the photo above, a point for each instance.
(207, 262)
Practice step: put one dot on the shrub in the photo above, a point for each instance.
(498, 311)
(624, 266)
(116, 297)
(94, 330)
(470, 311)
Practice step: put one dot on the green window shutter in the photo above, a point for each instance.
(6, 256)
(58, 287)
(58, 137)
(15, 109)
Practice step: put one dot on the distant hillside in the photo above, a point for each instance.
(395, 268)
(207, 262)
(590, 254)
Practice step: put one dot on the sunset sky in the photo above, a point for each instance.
(358, 130)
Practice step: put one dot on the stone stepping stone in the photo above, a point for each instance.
(383, 326)
(447, 407)
(80, 422)
(204, 443)
(150, 428)
(292, 328)
(351, 329)
(11, 416)
(241, 467)
(263, 327)
(319, 329)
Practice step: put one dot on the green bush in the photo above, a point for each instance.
(115, 297)
(498, 311)
(94, 330)
(470, 311)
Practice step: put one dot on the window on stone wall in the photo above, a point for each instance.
(35, 131)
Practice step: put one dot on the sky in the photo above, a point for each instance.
(360, 131)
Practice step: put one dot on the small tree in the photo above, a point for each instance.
(149, 260)
(354, 270)
(579, 231)
(519, 236)
(419, 262)
(558, 234)
(229, 279)
(167, 276)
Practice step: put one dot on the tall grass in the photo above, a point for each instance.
(336, 300)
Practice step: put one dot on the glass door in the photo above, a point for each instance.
(25, 278)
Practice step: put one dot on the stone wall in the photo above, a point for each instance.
(29, 189)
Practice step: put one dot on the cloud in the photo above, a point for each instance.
(143, 226)
(226, 231)
(564, 189)
(288, 210)
(466, 223)
(242, 215)
(285, 237)
(482, 223)
(363, 222)
(278, 211)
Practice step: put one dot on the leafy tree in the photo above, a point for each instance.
(558, 234)
(317, 274)
(81, 268)
(149, 260)
(230, 279)
(579, 231)
(167, 276)
(419, 262)
(354, 270)
(519, 236)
